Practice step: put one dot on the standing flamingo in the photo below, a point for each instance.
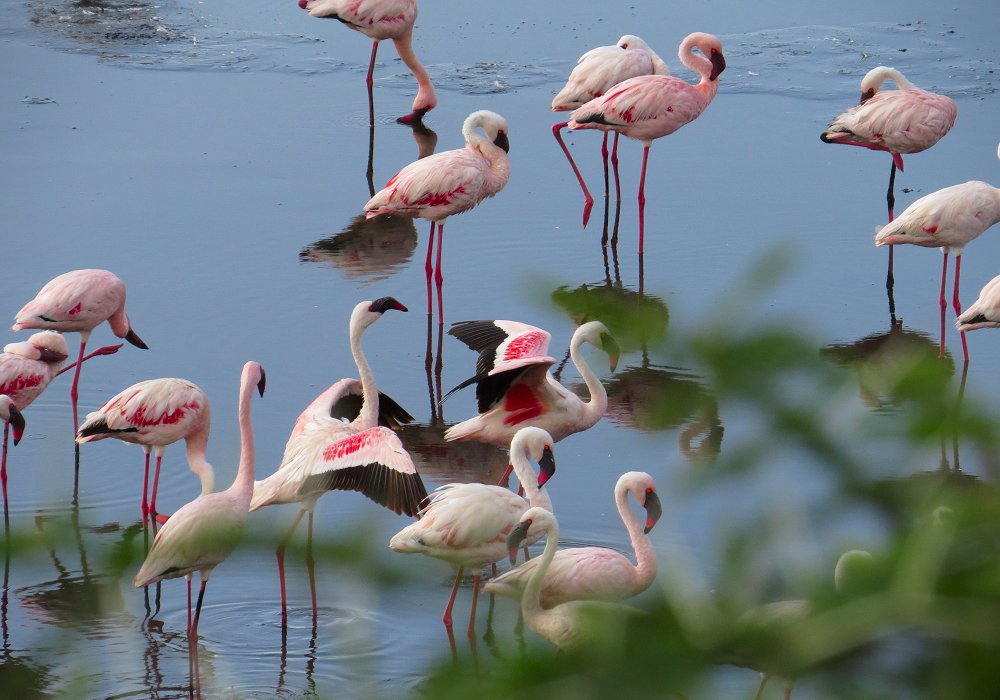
(79, 301)
(985, 313)
(326, 453)
(905, 120)
(514, 387)
(203, 532)
(596, 573)
(447, 183)
(382, 19)
(467, 524)
(156, 413)
(596, 72)
(947, 219)
(650, 106)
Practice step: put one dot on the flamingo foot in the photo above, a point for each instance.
(160, 518)
(587, 206)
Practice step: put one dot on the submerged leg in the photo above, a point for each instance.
(193, 631)
(588, 199)
(280, 556)
(311, 563)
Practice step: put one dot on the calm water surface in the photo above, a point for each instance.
(215, 156)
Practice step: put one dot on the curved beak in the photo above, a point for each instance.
(16, 421)
(867, 95)
(610, 346)
(262, 382)
(135, 340)
(546, 466)
(654, 509)
(718, 64)
(501, 142)
(516, 537)
(46, 355)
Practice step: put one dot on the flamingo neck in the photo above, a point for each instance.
(528, 479)
(877, 76)
(368, 417)
(243, 484)
(695, 61)
(598, 404)
(119, 323)
(531, 599)
(645, 558)
(426, 98)
(197, 442)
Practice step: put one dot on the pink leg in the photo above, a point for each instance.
(642, 196)
(438, 277)
(604, 158)
(188, 580)
(3, 473)
(941, 301)
(369, 82)
(472, 612)
(311, 564)
(614, 163)
(156, 483)
(280, 555)
(957, 306)
(106, 350)
(428, 269)
(145, 485)
(193, 631)
(505, 479)
(446, 619)
(589, 200)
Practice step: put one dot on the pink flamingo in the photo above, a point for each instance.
(596, 573)
(447, 183)
(79, 301)
(985, 313)
(382, 19)
(467, 524)
(10, 416)
(153, 414)
(326, 453)
(203, 532)
(596, 72)
(906, 120)
(514, 387)
(650, 106)
(947, 219)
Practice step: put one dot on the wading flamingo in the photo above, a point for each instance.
(327, 453)
(905, 120)
(947, 219)
(596, 573)
(447, 183)
(203, 532)
(514, 387)
(153, 414)
(79, 301)
(650, 106)
(596, 72)
(467, 524)
(985, 313)
(11, 417)
(382, 19)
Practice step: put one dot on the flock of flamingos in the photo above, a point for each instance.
(345, 439)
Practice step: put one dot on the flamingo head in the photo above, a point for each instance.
(492, 123)
(718, 61)
(597, 334)
(546, 466)
(867, 95)
(10, 414)
(654, 509)
(47, 346)
(536, 443)
(537, 516)
(518, 535)
(631, 41)
(367, 312)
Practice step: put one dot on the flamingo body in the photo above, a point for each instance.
(596, 573)
(514, 387)
(26, 368)
(985, 313)
(603, 67)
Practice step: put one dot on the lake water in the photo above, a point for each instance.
(212, 153)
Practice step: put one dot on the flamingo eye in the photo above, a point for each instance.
(624, 46)
(649, 490)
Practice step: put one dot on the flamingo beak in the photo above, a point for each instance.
(518, 535)
(262, 382)
(546, 466)
(383, 304)
(654, 509)
(501, 142)
(135, 340)
(718, 64)
(46, 355)
(867, 95)
(16, 420)
(610, 346)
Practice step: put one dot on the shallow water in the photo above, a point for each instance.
(215, 156)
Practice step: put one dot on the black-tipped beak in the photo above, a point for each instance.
(610, 346)
(654, 509)
(17, 423)
(262, 382)
(46, 355)
(501, 142)
(518, 535)
(718, 64)
(546, 466)
(135, 340)
(867, 95)
(380, 306)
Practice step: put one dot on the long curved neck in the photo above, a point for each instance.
(243, 485)
(529, 479)
(368, 417)
(645, 558)
(598, 403)
(696, 62)
(531, 603)
(426, 97)
(197, 442)
(879, 75)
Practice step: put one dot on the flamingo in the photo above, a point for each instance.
(650, 106)
(905, 120)
(467, 524)
(596, 573)
(947, 219)
(11, 416)
(382, 19)
(203, 532)
(565, 624)
(326, 453)
(447, 183)
(985, 313)
(514, 387)
(596, 72)
(156, 413)
(79, 301)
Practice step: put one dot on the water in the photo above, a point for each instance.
(215, 157)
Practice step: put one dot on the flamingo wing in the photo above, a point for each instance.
(434, 187)
(376, 18)
(900, 121)
(372, 462)
(165, 408)
(342, 402)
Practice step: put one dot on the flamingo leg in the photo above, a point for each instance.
(446, 619)
(890, 197)
(889, 279)
(145, 485)
(3, 474)
(428, 269)
(505, 479)
(438, 277)
(589, 200)
(193, 631)
(311, 563)
(957, 305)
(604, 158)
(369, 82)
(280, 556)
(614, 163)
(471, 632)
(74, 394)
(105, 350)
(156, 483)
(760, 686)
(642, 195)
(941, 301)
(188, 580)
